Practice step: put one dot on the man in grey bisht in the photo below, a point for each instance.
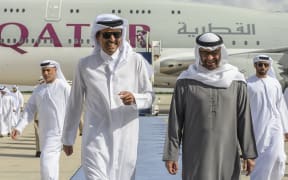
(210, 117)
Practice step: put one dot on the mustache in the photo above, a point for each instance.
(112, 42)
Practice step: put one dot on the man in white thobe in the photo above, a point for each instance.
(19, 104)
(49, 101)
(7, 108)
(112, 83)
(269, 115)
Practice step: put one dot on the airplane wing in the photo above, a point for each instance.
(169, 66)
(263, 51)
(175, 63)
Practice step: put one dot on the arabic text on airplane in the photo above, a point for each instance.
(248, 29)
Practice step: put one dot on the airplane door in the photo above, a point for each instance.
(53, 10)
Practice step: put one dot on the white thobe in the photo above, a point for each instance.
(19, 102)
(6, 113)
(110, 134)
(269, 115)
(49, 101)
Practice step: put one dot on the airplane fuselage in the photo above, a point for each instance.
(32, 31)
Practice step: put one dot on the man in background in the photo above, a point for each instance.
(7, 111)
(270, 120)
(49, 101)
(19, 104)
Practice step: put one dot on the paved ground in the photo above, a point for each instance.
(17, 159)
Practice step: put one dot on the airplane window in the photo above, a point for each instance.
(2, 40)
(119, 11)
(233, 42)
(21, 41)
(113, 11)
(76, 10)
(32, 40)
(17, 10)
(143, 11)
(179, 12)
(137, 11)
(245, 42)
(5, 10)
(258, 43)
(8, 40)
(172, 12)
(131, 11)
(149, 11)
(23, 10)
(11, 10)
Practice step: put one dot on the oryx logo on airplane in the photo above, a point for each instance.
(137, 33)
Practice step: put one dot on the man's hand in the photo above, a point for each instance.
(286, 137)
(14, 134)
(127, 97)
(172, 167)
(248, 166)
(68, 149)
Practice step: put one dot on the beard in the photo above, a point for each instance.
(262, 73)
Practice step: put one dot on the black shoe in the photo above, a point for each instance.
(38, 153)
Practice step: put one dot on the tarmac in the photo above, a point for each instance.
(18, 161)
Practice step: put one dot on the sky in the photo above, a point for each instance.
(270, 5)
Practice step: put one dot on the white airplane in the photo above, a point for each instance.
(35, 30)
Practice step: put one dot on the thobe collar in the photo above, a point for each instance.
(52, 81)
(111, 60)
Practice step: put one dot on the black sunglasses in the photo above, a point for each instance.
(261, 64)
(107, 35)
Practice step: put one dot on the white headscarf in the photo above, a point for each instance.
(267, 59)
(15, 87)
(4, 89)
(223, 75)
(7, 92)
(96, 27)
(51, 63)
